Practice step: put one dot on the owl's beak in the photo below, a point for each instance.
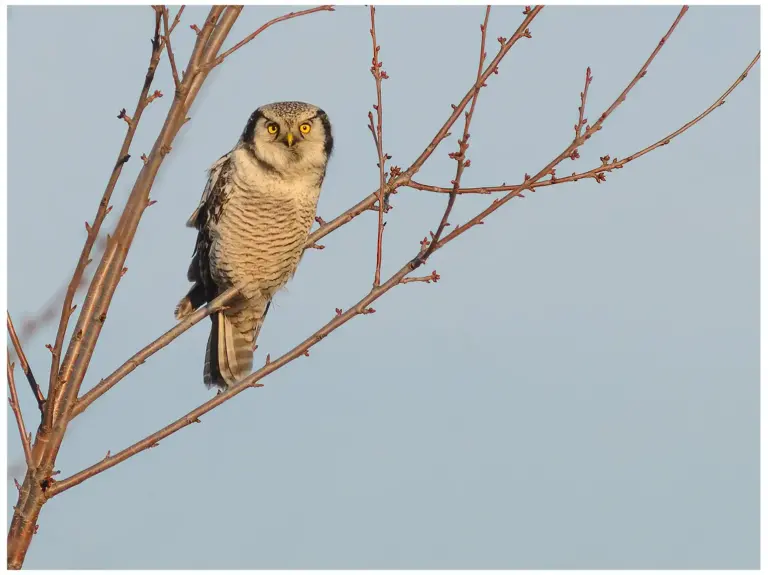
(289, 139)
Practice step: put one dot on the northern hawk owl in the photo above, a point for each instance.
(253, 220)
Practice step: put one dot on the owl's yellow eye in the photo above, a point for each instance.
(305, 128)
(272, 128)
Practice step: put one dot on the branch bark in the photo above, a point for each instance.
(25, 365)
(14, 403)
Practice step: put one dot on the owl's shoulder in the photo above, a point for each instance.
(215, 193)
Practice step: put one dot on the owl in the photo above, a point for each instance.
(253, 220)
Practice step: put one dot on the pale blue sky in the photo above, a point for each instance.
(580, 390)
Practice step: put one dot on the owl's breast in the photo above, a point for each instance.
(260, 235)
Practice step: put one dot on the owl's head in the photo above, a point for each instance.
(288, 136)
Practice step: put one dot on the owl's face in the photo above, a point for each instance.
(289, 136)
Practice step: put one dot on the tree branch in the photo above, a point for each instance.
(460, 156)
(289, 16)
(378, 75)
(14, 403)
(167, 41)
(93, 229)
(141, 356)
(25, 365)
(577, 142)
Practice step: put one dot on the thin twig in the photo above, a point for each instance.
(598, 173)
(404, 176)
(583, 105)
(460, 156)
(577, 142)
(14, 402)
(378, 76)
(175, 23)
(272, 22)
(169, 50)
(25, 365)
(433, 277)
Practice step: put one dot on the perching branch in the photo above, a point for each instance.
(141, 356)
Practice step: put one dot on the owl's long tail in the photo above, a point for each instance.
(229, 353)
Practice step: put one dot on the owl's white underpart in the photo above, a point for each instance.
(254, 217)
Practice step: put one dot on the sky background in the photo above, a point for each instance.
(580, 389)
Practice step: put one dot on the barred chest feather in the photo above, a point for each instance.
(264, 219)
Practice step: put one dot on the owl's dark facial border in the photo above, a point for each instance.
(250, 126)
(328, 133)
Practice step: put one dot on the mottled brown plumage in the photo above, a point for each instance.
(253, 220)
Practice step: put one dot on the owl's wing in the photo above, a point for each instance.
(209, 210)
(212, 187)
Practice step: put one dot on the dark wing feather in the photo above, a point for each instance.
(204, 289)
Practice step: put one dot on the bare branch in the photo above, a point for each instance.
(272, 22)
(606, 166)
(175, 23)
(583, 106)
(577, 142)
(14, 403)
(378, 76)
(460, 156)
(402, 177)
(433, 277)
(167, 41)
(141, 356)
(493, 68)
(25, 365)
(93, 233)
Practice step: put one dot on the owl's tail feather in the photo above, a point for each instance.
(229, 354)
